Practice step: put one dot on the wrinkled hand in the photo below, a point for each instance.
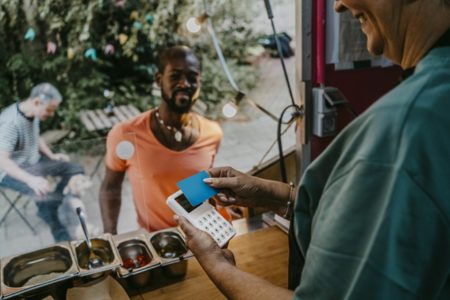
(60, 157)
(203, 245)
(39, 185)
(236, 188)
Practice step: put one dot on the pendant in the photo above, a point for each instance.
(178, 136)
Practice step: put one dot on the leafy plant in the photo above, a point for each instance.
(113, 45)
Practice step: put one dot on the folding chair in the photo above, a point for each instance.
(13, 206)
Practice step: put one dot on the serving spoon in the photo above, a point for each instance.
(94, 261)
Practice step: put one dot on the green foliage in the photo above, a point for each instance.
(138, 31)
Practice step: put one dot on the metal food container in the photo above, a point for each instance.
(138, 257)
(170, 246)
(34, 272)
(104, 248)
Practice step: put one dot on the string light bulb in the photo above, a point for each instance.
(194, 24)
(229, 110)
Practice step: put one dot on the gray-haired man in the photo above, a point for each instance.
(25, 159)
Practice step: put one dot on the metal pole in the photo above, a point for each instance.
(303, 74)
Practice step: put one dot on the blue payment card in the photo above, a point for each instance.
(195, 190)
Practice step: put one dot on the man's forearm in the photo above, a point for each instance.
(13, 170)
(237, 284)
(110, 202)
(44, 148)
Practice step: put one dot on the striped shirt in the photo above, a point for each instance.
(19, 136)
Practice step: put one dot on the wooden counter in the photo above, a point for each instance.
(263, 253)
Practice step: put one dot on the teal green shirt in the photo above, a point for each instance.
(373, 212)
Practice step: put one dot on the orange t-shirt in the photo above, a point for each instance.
(153, 169)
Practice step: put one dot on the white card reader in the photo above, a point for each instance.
(203, 216)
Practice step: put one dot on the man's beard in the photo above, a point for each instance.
(172, 102)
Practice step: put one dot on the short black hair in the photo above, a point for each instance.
(174, 52)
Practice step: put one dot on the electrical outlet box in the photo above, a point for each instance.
(325, 100)
(325, 124)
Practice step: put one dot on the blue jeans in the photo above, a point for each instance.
(48, 209)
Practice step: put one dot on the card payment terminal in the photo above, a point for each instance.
(203, 216)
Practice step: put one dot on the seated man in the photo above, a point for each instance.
(159, 147)
(25, 158)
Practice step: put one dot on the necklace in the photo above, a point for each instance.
(178, 134)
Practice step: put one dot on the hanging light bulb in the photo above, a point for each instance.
(194, 25)
(229, 110)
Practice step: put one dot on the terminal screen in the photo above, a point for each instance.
(184, 202)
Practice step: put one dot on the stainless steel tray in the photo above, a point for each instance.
(170, 245)
(135, 241)
(103, 247)
(68, 260)
(38, 269)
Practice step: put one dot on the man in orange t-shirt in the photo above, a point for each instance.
(159, 147)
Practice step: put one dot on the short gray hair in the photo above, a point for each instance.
(46, 92)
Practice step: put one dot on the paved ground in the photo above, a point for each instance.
(243, 146)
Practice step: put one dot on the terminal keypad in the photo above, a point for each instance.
(217, 227)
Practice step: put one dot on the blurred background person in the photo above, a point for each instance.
(26, 160)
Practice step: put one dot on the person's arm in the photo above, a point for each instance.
(218, 264)
(238, 188)
(237, 284)
(37, 183)
(111, 199)
(45, 149)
